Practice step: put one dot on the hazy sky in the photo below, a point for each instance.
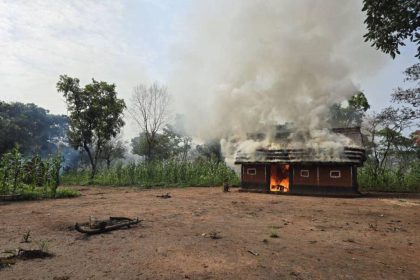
(123, 42)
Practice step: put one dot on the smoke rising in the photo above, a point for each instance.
(250, 65)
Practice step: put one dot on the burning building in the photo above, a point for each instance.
(312, 170)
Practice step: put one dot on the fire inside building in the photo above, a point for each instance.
(300, 171)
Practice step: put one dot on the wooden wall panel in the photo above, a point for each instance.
(311, 180)
(345, 179)
(260, 173)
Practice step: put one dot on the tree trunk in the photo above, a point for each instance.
(97, 153)
(149, 139)
(92, 162)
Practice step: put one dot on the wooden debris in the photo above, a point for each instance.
(106, 225)
(6, 262)
(33, 254)
(164, 196)
(22, 254)
(253, 253)
(214, 235)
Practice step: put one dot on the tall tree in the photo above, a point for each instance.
(352, 113)
(33, 128)
(391, 22)
(113, 149)
(409, 99)
(386, 145)
(95, 115)
(149, 110)
(169, 144)
(210, 150)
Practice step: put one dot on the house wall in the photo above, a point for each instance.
(345, 179)
(324, 178)
(310, 180)
(254, 176)
(303, 178)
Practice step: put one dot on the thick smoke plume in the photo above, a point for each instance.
(250, 65)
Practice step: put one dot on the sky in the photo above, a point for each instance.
(122, 42)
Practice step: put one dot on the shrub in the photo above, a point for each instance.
(388, 179)
(31, 178)
(158, 173)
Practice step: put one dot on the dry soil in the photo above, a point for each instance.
(203, 233)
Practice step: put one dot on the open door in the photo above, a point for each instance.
(279, 178)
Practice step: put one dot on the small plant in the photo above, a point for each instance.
(274, 233)
(374, 226)
(26, 237)
(43, 246)
(55, 166)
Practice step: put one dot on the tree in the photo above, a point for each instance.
(350, 115)
(113, 149)
(31, 127)
(387, 146)
(168, 145)
(210, 151)
(409, 99)
(389, 150)
(95, 115)
(391, 22)
(150, 111)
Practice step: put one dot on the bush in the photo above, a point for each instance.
(389, 179)
(31, 178)
(160, 173)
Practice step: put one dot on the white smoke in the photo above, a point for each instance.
(246, 66)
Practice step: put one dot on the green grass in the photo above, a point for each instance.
(157, 174)
(66, 193)
(28, 193)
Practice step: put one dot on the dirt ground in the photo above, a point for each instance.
(374, 237)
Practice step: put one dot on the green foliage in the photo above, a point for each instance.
(350, 115)
(393, 158)
(390, 179)
(66, 193)
(409, 98)
(159, 173)
(391, 22)
(113, 149)
(210, 151)
(31, 178)
(166, 145)
(95, 115)
(31, 127)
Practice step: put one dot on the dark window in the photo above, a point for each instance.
(251, 171)
(335, 174)
(304, 173)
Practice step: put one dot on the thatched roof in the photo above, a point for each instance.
(346, 155)
(349, 155)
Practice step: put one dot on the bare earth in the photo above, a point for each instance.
(318, 237)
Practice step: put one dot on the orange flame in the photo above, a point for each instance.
(279, 179)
